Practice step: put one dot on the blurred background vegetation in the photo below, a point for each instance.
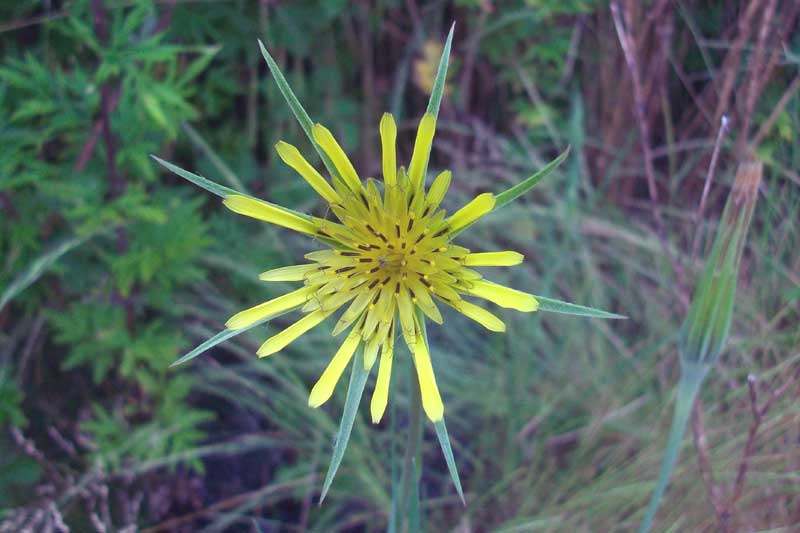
(110, 269)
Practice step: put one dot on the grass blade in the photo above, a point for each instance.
(222, 336)
(358, 379)
(566, 308)
(447, 450)
(527, 184)
(297, 108)
(38, 267)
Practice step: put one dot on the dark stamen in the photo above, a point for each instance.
(372, 285)
(410, 223)
(441, 232)
(344, 269)
(365, 260)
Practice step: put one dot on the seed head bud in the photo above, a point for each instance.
(705, 330)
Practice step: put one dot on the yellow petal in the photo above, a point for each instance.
(422, 150)
(494, 259)
(504, 296)
(438, 189)
(268, 212)
(290, 273)
(480, 315)
(323, 389)
(280, 341)
(277, 305)
(324, 138)
(388, 141)
(292, 157)
(381, 395)
(479, 206)
(353, 312)
(423, 299)
(406, 312)
(431, 400)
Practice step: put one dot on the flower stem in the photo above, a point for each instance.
(692, 376)
(410, 459)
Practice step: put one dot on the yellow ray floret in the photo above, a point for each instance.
(280, 341)
(438, 189)
(493, 259)
(422, 150)
(323, 389)
(504, 296)
(388, 131)
(269, 213)
(431, 400)
(480, 315)
(242, 319)
(479, 206)
(290, 273)
(381, 395)
(324, 138)
(292, 157)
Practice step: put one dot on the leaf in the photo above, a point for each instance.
(447, 450)
(358, 379)
(566, 308)
(222, 336)
(38, 267)
(527, 184)
(297, 108)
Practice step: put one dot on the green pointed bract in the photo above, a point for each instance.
(511, 194)
(447, 450)
(565, 308)
(358, 379)
(297, 108)
(223, 336)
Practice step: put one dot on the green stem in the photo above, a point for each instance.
(692, 376)
(413, 447)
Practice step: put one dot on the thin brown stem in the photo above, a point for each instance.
(723, 128)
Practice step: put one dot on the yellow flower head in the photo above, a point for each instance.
(392, 255)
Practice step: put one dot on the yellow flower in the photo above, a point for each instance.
(392, 254)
